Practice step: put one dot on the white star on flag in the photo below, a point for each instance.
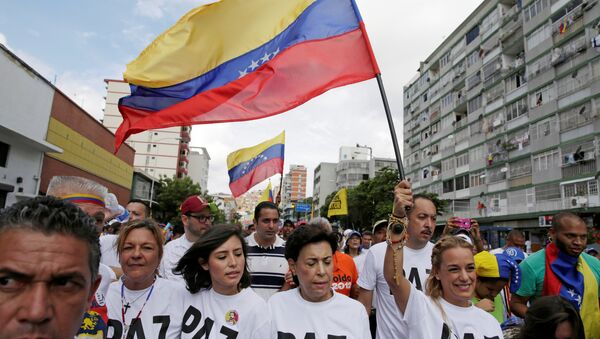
(265, 58)
(253, 65)
(242, 73)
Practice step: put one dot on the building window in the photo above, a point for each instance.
(447, 100)
(516, 109)
(462, 182)
(477, 178)
(539, 66)
(496, 174)
(474, 80)
(515, 81)
(576, 117)
(543, 128)
(4, 148)
(447, 164)
(520, 168)
(542, 96)
(547, 192)
(472, 34)
(573, 82)
(476, 153)
(545, 161)
(472, 58)
(445, 60)
(462, 159)
(534, 9)
(448, 186)
(474, 104)
(539, 36)
(518, 140)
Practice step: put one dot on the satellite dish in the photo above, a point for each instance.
(503, 169)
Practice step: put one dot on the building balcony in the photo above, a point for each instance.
(583, 167)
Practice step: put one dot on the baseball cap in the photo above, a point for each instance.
(193, 204)
(499, 265)
(380, 224)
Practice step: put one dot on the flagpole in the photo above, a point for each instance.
(388, 114)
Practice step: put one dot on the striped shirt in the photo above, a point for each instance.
(267, 266)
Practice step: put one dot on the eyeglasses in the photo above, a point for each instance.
(203, 218)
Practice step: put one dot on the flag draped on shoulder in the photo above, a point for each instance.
(267, 194)
(250, 166)
(238, 60)
(339, 204)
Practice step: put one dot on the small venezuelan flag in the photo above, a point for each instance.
(250, 166)
(237, 60)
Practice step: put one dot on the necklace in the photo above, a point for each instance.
(127, 304)
(125, 307)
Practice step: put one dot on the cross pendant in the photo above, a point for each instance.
(126, 307)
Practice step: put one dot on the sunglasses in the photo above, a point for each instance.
(202, 218)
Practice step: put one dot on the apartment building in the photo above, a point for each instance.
(157, 152)
(198, 166)
(502, 119)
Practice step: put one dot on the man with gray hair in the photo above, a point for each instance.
(49, 257)
(90, 197)
(345, 274)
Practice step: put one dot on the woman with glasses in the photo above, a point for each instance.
(221, 305)
(446, 310)
(141, 304)
(314, 310)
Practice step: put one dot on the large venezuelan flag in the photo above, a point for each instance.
(238, 60)
(249, 166)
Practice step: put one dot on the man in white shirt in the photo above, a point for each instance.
(197, 219)
(266, 252)
(417, 265)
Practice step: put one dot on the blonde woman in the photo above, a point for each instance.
(446, 311)
(141, 304)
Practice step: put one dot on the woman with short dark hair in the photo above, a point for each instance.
(314, 309)
(216, 275)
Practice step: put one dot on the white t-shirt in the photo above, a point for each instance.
(417, 265)
(340, 317)
(173, 251)
(217, 316)
(108, 248)
(425, 320)
(161, 317)
(108, 276)
(359, 261)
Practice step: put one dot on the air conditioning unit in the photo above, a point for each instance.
(578, 201)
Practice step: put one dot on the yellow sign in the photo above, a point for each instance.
(339, 204)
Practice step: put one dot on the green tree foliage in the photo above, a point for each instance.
(372, 200)
(171, 194)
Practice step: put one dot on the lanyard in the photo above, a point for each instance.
(123, 311)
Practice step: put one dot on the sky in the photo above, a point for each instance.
(76, 45)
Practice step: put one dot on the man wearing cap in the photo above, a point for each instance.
(494, 273)
(422, 217)
(197, 219)
(379, 231)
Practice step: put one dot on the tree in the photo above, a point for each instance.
(372, 200)
(170, 195)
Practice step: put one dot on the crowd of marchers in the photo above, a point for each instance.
(72, 265)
